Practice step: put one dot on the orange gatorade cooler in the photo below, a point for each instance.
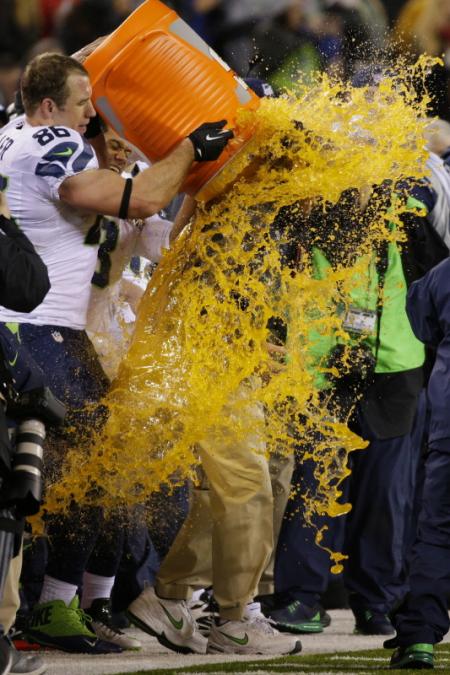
(155, 80)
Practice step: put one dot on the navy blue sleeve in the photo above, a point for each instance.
(422, 313)
(425, 194)
(428, 308)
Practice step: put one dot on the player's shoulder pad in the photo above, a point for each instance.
(59, 151)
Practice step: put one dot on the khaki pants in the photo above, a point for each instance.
(11, 598)
(281, 469)
(227, 539)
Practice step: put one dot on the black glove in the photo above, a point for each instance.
(209, 140)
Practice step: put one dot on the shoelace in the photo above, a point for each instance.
(202, 615)
(75, 617)
(263, 624)
(109, 631)
(198, 605)
(199, 610)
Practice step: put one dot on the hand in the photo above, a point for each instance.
(209, 140)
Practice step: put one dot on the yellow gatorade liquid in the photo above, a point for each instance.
(201, 330)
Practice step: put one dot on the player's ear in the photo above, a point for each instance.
(47, 107)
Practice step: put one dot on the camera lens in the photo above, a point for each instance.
(25, 489)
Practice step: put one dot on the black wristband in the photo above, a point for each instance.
(124, 204)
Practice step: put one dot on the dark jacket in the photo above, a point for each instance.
(428, 308)
(24, 284)
(24, 280)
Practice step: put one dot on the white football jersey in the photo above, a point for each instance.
(36, 160)
(110, 317)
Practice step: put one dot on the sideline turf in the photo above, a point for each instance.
(364, 663)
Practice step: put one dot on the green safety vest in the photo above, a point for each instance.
(398, 348)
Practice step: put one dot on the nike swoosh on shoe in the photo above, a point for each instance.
(239, 641)
(176, 623)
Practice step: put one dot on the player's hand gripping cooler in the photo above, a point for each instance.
(155, 80)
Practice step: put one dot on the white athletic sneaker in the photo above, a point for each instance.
(116, 636)
(253, 635)
(29, 664)
(170, 621)
(102, 624)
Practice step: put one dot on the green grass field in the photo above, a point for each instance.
(365, 662)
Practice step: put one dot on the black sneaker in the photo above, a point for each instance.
(416, 657)
(100, 621)
(296, 618)
(371, 623)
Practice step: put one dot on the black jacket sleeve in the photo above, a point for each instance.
(24, 280)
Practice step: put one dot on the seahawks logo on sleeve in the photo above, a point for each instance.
(72, 154)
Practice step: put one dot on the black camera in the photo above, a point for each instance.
(32, 410)
(21, 484)
(36, 403)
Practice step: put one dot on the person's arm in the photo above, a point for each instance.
(421, 308)
(182, 218)
(101, 191)
(24, 280)
(158, 234)
(431, 304)
(82, 54)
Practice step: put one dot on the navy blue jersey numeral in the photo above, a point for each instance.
(48, 134)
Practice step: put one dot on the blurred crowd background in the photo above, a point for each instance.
(276, 40)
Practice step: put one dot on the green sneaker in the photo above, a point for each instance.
(418, 656)
(296, 618)
(55, 624)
